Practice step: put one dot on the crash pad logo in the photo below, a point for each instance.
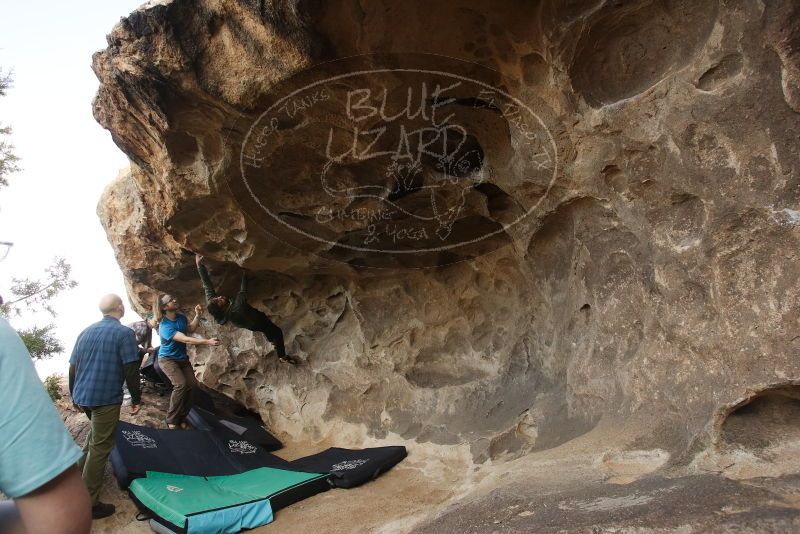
(174, 489)
(373, 159)
(138, 439)
(348, 464)
(241, 447)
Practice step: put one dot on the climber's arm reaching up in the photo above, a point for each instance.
(208, 286)
(243, 285)
(241, 297)
(194, 323)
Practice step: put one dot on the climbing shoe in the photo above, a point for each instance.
(289, 359)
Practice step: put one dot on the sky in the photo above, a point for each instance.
(67, 159)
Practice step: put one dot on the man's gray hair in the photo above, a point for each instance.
(109, 303)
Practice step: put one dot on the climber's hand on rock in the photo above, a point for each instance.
(198, 309)
(213, 342)
(135, 408)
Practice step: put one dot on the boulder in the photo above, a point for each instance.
(484, 224)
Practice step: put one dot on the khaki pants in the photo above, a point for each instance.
(181, 374)
(99, 442)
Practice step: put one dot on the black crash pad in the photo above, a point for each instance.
(140, 449)
(233, 427)
(351, 467)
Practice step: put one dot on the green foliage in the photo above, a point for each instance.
(35, 295)
(41, 342)
(8, 160)
(5, 82)
(53, 386)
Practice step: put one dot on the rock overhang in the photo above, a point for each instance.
(654, 270)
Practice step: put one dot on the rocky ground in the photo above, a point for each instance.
(584, 486)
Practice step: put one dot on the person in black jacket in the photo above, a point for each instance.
(143, 330)
(238, 312)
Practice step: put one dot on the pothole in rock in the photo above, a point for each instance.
(760, 436)
(722, 71)
(769, 419)
(631, 46)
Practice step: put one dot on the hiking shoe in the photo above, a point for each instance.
(101, 510)
(289, 359)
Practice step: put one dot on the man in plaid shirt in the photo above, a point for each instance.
(105, 355)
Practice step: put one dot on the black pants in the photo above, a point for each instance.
(9, 516)
(272, 331)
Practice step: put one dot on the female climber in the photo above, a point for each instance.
(240, 313)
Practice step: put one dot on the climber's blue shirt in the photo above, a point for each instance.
(169, 347)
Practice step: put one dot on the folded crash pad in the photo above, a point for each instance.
(140, 449)
(351, 467)
(233, 427)
(202, 399)
(189, 504)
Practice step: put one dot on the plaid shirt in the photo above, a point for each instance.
(99, 356)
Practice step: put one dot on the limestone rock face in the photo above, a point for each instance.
(616, 213)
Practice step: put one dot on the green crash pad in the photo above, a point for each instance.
(216, 504)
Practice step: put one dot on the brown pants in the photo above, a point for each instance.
(181, 374)
(99, 442)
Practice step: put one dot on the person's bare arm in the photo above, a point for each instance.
(194, 323)
(183, 338)
(62, 505)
